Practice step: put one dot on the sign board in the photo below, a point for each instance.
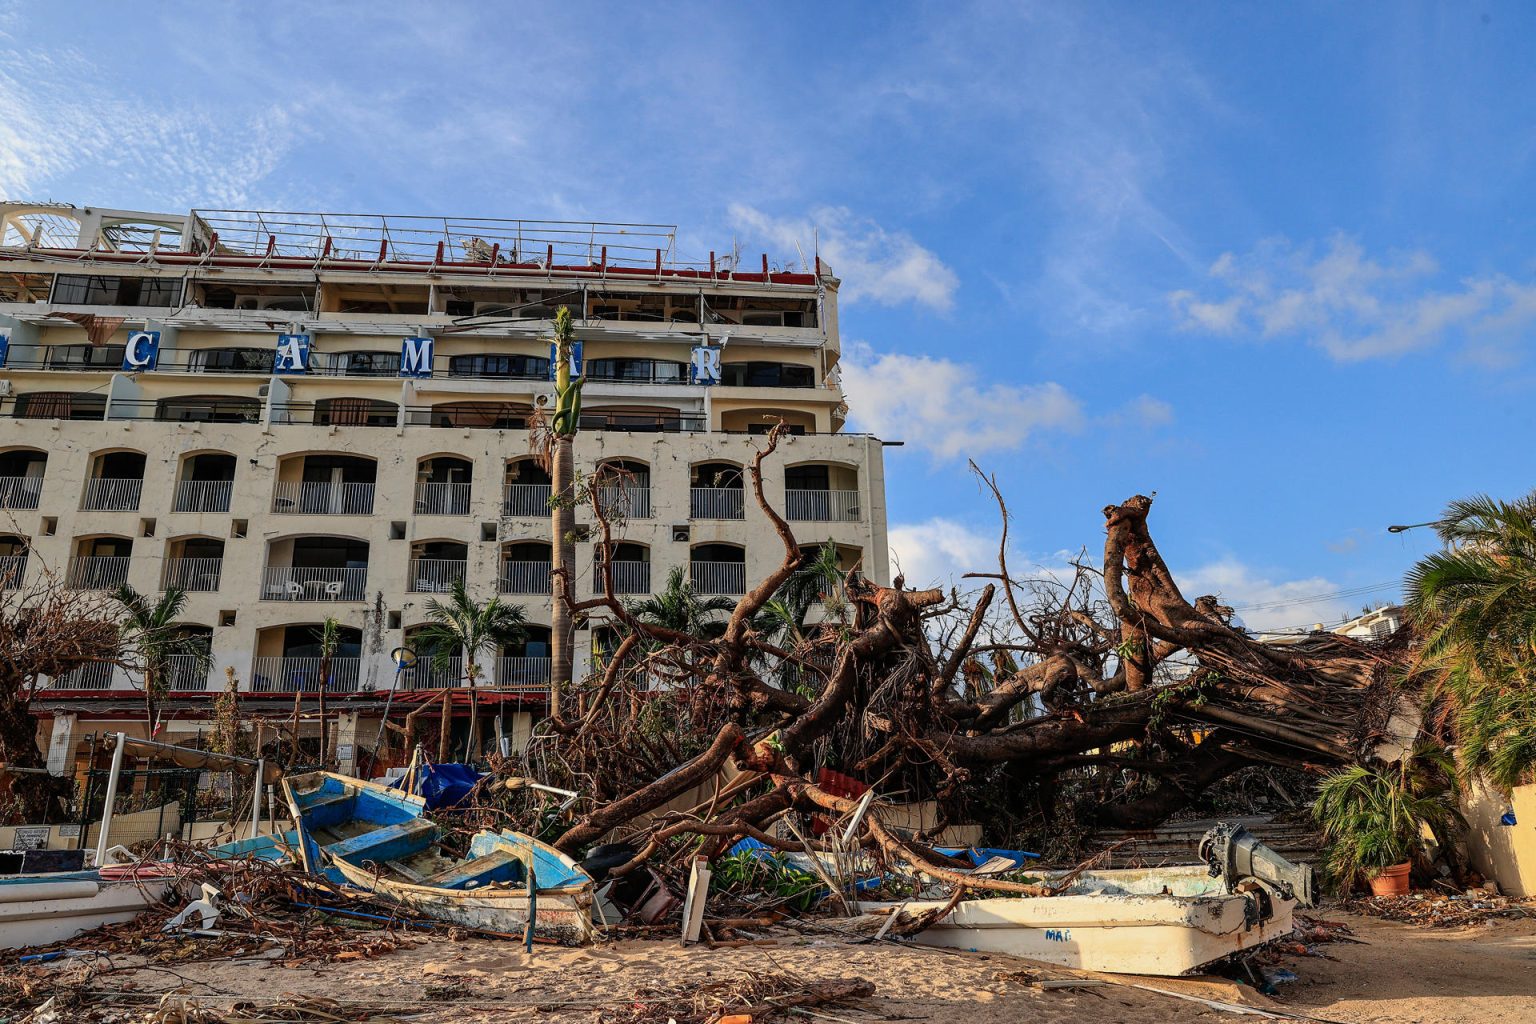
(343, 751)
(416, 357)
(69, 831)
(292, 355)
(704, 367)
(576, 360)
(31, 837)
(142, 352)
(5, 346)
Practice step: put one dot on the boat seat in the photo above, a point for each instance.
(325, 801)
(472, 870)
(387, 843)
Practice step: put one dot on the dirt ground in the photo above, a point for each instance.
(1398, 973)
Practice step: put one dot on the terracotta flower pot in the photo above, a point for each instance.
(1392, 881)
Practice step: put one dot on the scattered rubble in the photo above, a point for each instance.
(1442, 910)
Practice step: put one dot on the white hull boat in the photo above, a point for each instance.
(37, 910)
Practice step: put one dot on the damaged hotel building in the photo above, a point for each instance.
(301, 416)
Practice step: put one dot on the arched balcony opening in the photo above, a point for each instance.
(525, 666)
(718, 569)
(822, 492)
(717, 491)
(430, 671)
(624, 488)
(437, 566)
(193, 564)
(442, 486)
(325, 484)
(99, 563)
(21, 478)
(13, 561)
(116, 483)
(191, 672)
(526, 490)
(205, 483)
(630, 566)
(316, 569)
(525, 567)
(291, 659)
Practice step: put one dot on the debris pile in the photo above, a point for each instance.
(1443, 910)
(742, 1000)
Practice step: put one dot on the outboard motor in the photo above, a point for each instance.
(1234, 854)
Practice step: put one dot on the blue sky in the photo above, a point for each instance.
(1273, 262)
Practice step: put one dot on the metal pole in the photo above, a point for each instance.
(106, 811)
(261, 778)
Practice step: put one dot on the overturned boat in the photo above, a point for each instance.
(1161, 921)
(372, 837)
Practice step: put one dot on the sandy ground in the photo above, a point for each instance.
(1399, 973)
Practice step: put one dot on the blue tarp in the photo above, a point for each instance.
(979, 855)
(440, 785)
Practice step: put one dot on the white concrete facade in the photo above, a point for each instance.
(212, 472)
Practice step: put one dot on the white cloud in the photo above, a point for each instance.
(1354, 306)
(1144, 412)
(887, 267)
(54, 122)
(951, 409)
(935, 552)
(1263, 603)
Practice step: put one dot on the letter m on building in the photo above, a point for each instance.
(416, 357)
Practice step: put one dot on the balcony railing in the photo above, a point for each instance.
(20, 492)
(112, 494)
(302, 675)
(97, 572)
(13, 568)
(313, 583)
(629, 501)
(628, 577)
(526, 501)
(524, 577)
(719, 577)
(96, 675)
(323, 498)
(196, 575)
(203, 495)
(435, 575)
(822, 506)
(187, 673)
(517, 673)
(442, 499)
(429, 674)
(717, 503)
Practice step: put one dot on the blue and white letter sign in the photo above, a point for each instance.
(416, 357)
(705, 366)
(292, 354)
(576, 361)
(142, 351)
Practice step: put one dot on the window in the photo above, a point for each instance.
(104, 357)
(231, 360)
(651, 371)
(508, 366)
(767, 375)
(99, 290)
(364, 364)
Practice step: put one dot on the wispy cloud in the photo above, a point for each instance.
(935, 552)
(951, 409)
(880, 265)
(1352, 305)
(1264, 603)
(57, 121)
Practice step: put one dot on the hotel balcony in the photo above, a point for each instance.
(21, 479)
(718, 569)
(316, 569)
(443, 486)
(97, 572)
(302, 674)
(823, 506)
(523, 673)
(206, 483)
(437, 567)
(194, 575)
(325, 485)
(525, 568)
(116, 483)
(13, 571)
(631, 569)
(96, 675)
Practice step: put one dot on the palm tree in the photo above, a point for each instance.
(1474, 605)
(465, 627)
(676, 606)
(783, 620)
(562, 514)
(151, 637)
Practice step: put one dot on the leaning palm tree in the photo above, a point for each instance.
(151, 637)
(1474, 606)
(469, 629)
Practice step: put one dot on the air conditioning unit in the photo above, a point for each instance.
(263, 391)
(5, 388)
(681, 533)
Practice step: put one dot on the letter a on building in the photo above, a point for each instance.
(416, 357)
(292, 354)
(142, 352)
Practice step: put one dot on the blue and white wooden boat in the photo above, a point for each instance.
(372, 837)
(41, 909)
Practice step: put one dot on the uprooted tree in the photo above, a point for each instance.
(981, 701)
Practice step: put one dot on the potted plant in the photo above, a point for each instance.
(1375, 817)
